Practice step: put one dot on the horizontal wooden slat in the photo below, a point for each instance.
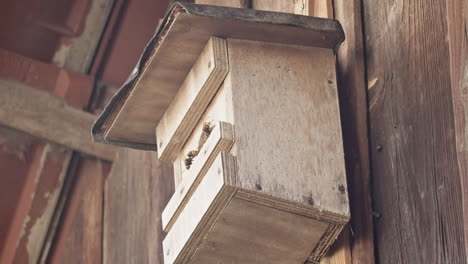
(48, 117)
(220, 140)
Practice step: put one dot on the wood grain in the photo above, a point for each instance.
(231, 3)
(79, 237)
(201, 212)
(457, 20)
(140, 104)
(288, 132)
(416, 178)
(221, 220)
(192, 99)
(219, 110)
(136, 191)
(48, 117)
(220, 140)
(353, 103)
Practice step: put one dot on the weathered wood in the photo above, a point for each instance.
(79, 236)
(219, 110)
(457, 20)
(170, 55)
(231, 3)
(137, 190)
(36, 203)
(220, 140)
(45, 116)
(77, 53)
(207, 202)
(220, 220)
(293, 117)
(340, 252)
(193, 97)
(416, 178)
(316, 8)
(354, 110)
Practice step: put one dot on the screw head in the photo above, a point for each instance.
(302, 6)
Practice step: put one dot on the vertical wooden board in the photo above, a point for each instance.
(287, 123)
(193, 97)
(202, 209)
(340, 252)
(135, 194)
(220, 109)
(353, 103)
(220, 140)
(79, 238)
(457, 19)
(416, 179)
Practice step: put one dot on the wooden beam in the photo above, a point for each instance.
(78, 236)
(353, 103)
(416, 178)
(136, 191)
(45, 116)
(77, 53)
(457, 20)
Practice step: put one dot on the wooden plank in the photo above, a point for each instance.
(340, 252)
(207, 201)
(35, 203)
(353, 103)
(457, 20)
(193, 97)
(79, 236)
(416, 178)
(220, 140)
(137, 190)
(231, 3)
(221, 220)
(77, 53)
(244, 234)
(277, 6)
(298, 151)
(316, 8)
(45, 116)
(219, 110)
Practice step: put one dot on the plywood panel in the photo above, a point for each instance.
(244, 234)
(416, 178)
(193, 97)
(220, 140)
(293, 148)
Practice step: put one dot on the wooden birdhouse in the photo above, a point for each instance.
(244, 104)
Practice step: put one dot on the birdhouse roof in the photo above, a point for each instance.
(133, 113)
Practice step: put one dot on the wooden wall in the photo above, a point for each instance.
(136, 192)
(414, 73)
